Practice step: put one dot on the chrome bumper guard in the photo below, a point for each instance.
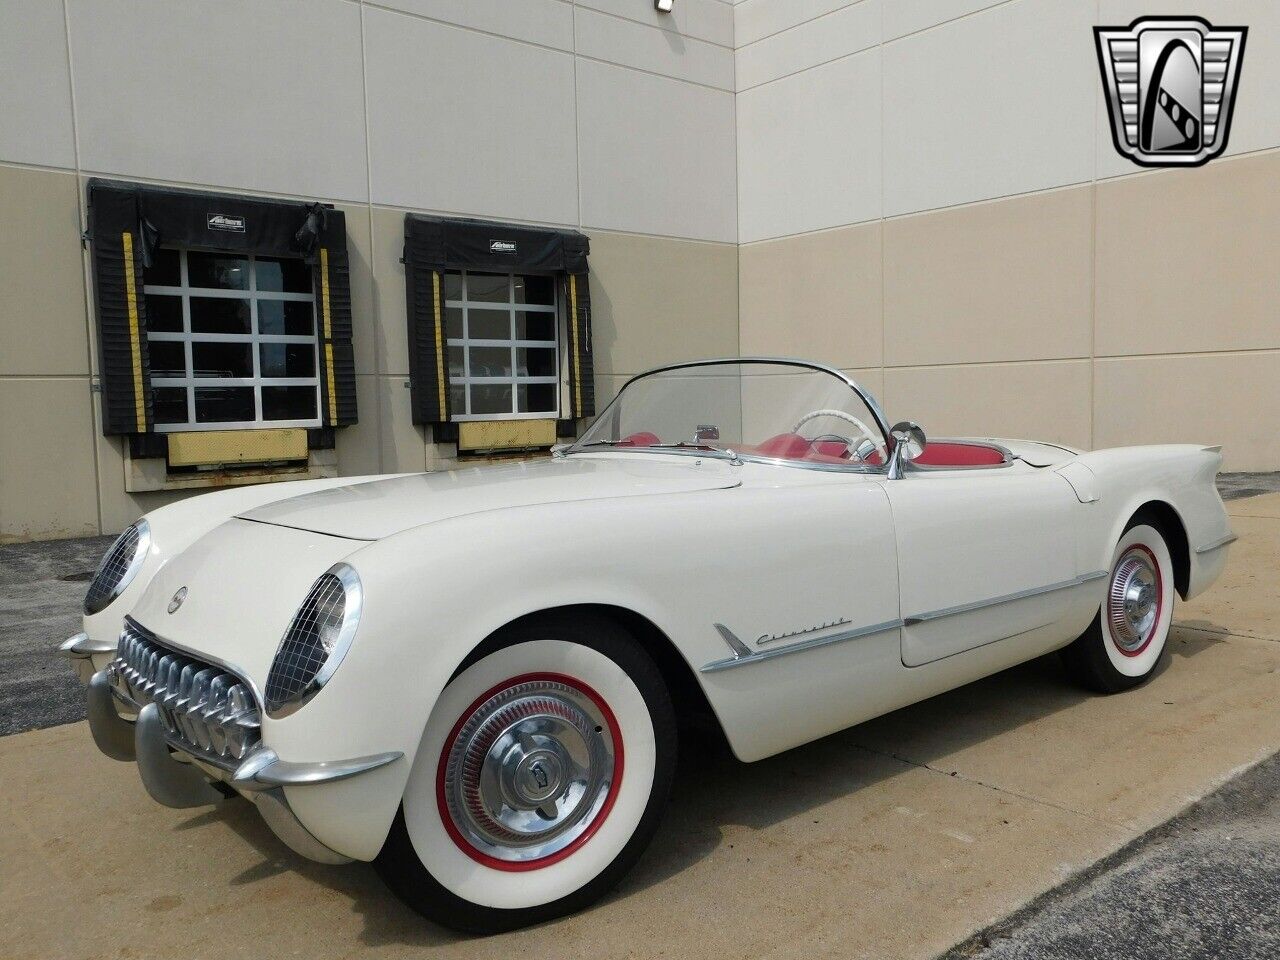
(197, 728)
(179, 778)
(80, 651)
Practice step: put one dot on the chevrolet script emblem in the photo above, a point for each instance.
(1170, 85)
(178, 597)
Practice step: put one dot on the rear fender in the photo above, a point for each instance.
(1181, 476)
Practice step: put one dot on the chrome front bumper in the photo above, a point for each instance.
(179, 777)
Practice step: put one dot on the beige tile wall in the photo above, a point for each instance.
(48, 486)
(1033, 316)
(1227, 398)
(1190, 260)
(1039, 401)
(656, 301)
(993, 281)
(817, 295)
(42, 308)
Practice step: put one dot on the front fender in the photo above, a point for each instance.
(177, 526)
(681, 561)
(431, 595)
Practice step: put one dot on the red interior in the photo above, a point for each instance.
(642, 439)
(944, 454)
(792, 446)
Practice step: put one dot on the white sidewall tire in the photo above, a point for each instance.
(1144, 662)
(487, 886)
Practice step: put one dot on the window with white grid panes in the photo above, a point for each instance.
(231, 340)
(503, 343)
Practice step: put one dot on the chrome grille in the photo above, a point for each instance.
(114, 566)
(206, 710)
(303, 650)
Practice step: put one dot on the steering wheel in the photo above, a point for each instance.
(860, 451)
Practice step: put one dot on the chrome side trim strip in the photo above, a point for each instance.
(759, 655)
(743, 654)
(1007, 598)
(263, 770)
(739, 648)
(1218, 544)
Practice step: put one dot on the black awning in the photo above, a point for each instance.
(215, 221)
(440, 243)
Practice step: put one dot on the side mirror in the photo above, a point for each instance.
(908, 443)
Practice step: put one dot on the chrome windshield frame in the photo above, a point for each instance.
(871, 402)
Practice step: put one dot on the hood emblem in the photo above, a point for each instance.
(177, 599)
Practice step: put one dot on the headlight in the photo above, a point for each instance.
(316, 641)
(118, 568)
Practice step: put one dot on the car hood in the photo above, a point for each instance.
(374, 509)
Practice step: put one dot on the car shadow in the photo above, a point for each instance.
(714, 791)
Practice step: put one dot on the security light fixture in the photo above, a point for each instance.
(663, 6)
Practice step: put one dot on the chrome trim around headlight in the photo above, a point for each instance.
(353, 603)
(142, 531)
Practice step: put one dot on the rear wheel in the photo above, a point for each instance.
(540, 779)
(1124, 645)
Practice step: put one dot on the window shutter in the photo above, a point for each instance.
(337, 358)
(121, 312)
(582, 389)
(424, 292)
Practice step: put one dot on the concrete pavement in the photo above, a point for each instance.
(898, 838)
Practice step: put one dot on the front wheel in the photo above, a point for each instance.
(540, 779)
(1125, 643)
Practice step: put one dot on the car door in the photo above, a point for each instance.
(984, 554)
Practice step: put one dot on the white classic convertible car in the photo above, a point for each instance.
(473, 678)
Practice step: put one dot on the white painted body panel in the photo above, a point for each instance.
(372, 511)
(685, 542)
(176, 526)
(966, 536)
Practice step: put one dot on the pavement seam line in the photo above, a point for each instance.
(957, 775)
(1225, 633)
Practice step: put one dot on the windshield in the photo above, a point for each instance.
(756, 409)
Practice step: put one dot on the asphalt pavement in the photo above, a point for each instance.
(1204, 885)
(42, 586)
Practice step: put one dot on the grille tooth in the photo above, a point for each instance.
(207, 711)
(111, 571)
(184, 686)
(302, 653)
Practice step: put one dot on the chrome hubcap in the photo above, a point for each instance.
(529, 770)
(1133, 603)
